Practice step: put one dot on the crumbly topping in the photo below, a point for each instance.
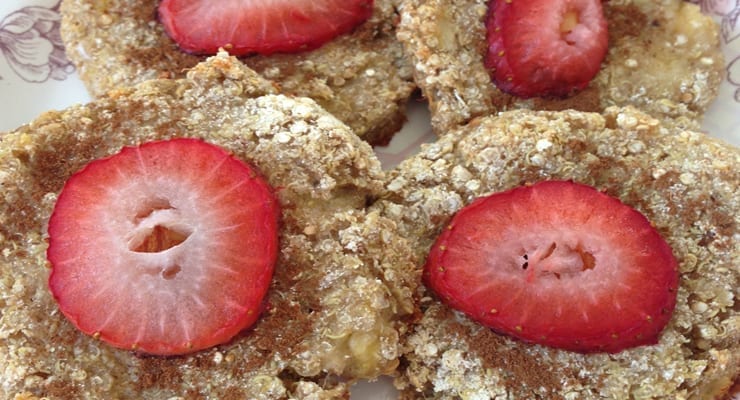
(684, 182)
(664, 57)
(362, 78)
(342, 284)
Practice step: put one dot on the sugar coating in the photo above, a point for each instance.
(362, 78)
(664, 58)
(684, 182)
(342, 283)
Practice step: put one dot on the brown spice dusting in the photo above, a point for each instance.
(611, 173)
(522, 370)
(193, 394)
(50, 169)
(587, 99)
(522, 373)
(18, 221)
(228, 393)
(624, 20)
(282, 315)
(61, 389)
(177, 61)
(146, 13)
(233, 393)
(707, 238)
(725, 224)
(576, 147)
(667, 180)
(290, 318)
(158, 372)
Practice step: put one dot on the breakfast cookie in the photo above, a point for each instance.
(684, 183)
(361, 77)
(662, 57)
(342, 279)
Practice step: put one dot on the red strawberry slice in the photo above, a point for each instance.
(165, 248)
(557, 263)
(259, 26)
(545, 47)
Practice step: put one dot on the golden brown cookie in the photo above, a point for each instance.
(684, 182)
(362, 78)
(342, 285)
(664, 58)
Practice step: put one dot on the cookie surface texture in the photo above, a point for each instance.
(342, 281)
(362, 78)
(685, 183)
(663, 57)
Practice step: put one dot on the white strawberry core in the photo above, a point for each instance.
(158, 230)
(555, 260)
(570, 21)
(579, 25)
(558, 260)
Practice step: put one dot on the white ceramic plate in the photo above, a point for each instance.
(35, 76)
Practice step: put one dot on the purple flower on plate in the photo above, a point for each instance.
(32, 45)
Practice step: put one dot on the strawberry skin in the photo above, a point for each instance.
(165, 248)
(259, 26)
(542, 48)
(559, 264)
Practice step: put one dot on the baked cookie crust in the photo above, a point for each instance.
(363, 78)
(684, 182)
(664, 58)
(343, 282)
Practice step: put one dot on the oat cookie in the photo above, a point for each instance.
(343, 281)
(663, 58)
(684, 182)
(362, 78)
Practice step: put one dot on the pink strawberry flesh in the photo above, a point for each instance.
(559, 264)
(545, 48)
(259, 26)
(165, 248)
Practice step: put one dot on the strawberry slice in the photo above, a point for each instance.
(539, 48)
(259, 26)
(557, 263)
(166, 248)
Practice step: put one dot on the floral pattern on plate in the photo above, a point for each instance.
(32, 45)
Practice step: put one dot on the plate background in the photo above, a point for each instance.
(36, 76)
